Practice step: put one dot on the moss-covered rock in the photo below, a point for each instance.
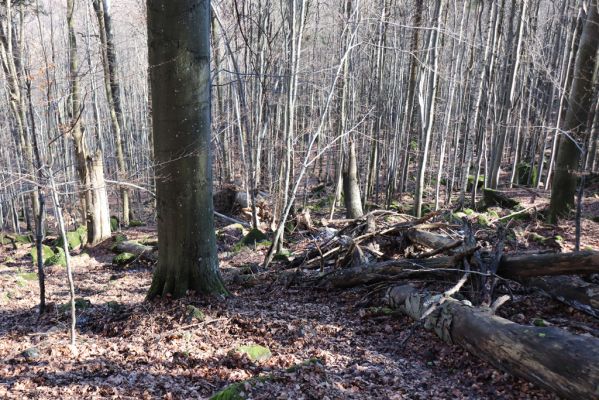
(254, 237)
(23, 239)
(123, 259)
(255, 352)
(75, 238)
(47, 252)
(58, 258)
(236, 391)
(135, 223)
(194, 313)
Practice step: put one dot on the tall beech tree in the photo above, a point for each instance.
(575, 124)
(179, 62)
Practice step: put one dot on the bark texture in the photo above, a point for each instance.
(553, 358)
(179, 56)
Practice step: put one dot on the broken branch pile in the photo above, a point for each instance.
(556, 359)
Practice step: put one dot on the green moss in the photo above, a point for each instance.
(46, 253)
(119, 238)
(537, 238)
(480, 183)
(540, 322)
(254, 237)
(255, 352)
(468, 211)
(75, 238)
(114, 223)
(134, 223)
(232, 392)
(24, 239)
(482, 220)
(236, 390)
(493, 214)
(123, 259)
(194, 313)
(396, 206)
(58, 258)
(558, 238)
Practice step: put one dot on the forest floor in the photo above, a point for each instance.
(323, 344)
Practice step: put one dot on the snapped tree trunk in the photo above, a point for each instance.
(179, 56)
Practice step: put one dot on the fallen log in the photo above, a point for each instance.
(518, 267)
(230, 219)
(570, 290)
(141, 251)
(495, 197)
(385, 270)
(521, 266)
(553, 358)
(431, 240)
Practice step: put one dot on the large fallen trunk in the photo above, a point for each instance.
(570, 290)
(553, 358)
(520, 266)
(517, 267)
(141, 251)
(386, 270)
(532, 265)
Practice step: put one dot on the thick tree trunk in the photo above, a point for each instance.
(579, 104)
(553, 358)
(179, 55)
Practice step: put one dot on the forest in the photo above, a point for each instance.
(299, 199)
